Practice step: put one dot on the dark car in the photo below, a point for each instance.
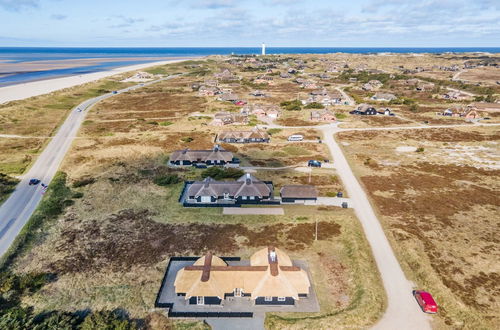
(200, 165)
(34, 182)
(314, 163)
(340, 194)
(115, 92)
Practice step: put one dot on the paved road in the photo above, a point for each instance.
(18, 208)
(402, 311)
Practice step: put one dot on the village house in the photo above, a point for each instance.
(229, 118)
(309, 84)
(208, 90)
(381, 96)
(247, 136)
(262, 110)
(258, 93)
(372, 85)
(285, 75)
(268, 80)
(322, 116)
(228, 97)
(456, 95)
(485, 106)
(245, 190)
(364, 110)
(298, 193)
(215, 156)
(271, 278)
(225, 75)
(211, 82)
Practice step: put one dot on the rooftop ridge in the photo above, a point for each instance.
(205, 276)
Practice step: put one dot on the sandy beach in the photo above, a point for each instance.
(35, 88)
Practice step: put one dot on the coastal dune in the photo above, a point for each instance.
(35, 88)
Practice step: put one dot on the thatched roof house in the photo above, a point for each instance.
(298, 192)
(271, 278)
(215, 156)
(247, 189)
(247, 136)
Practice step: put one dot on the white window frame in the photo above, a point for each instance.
(281, 299)
(244, 198)
(251, 197)
(268, 298)
(200, 300)
(238, 292)
(226, 196)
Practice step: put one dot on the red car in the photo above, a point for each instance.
(425, 301)
(240, 103)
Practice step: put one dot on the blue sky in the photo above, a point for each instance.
(205, 23)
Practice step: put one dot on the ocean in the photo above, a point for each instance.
(18, 73)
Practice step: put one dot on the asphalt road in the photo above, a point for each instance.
(18, 208)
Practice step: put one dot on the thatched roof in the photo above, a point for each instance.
(248, 134)
(247, 185)
(270, 273)
(217, 153)
(298, 191)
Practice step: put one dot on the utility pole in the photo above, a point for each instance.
(316, 237)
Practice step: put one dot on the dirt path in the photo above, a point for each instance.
(402, 310)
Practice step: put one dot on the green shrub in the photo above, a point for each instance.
(83, 182)
(340, 115)
(187, 139)
(273, 131)
(219, 173)
(293, 105)
(57, 320)
(420, 149)
(165, 180)
(155, 123)
(7, 186)
(331, 194)
(314, 105)
(77, 195)
(106, 320)
(165, 123)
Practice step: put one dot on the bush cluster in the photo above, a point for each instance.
(294, 105)
(219, 173)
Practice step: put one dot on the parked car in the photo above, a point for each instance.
(295, 137)
(115, 92)
(340, 194)
(314, 163)
(34, 182)
(240, 103)
(200, 165)
(344, 205)
(425, 301)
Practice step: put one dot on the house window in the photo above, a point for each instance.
(268, 298)
(200, 300)
(252, 197)
(238, 292)
(281, 299)
(226, 195)
(243, 197)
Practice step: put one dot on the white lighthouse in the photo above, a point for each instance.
(263, 49)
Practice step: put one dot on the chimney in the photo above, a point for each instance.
(263, 49)
(248, 180)
(205, 275)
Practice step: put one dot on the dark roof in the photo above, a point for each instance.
(247, 185)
